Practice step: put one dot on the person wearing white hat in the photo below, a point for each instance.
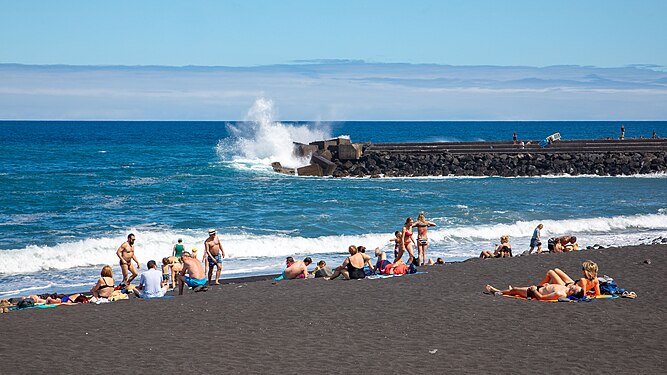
(214, 254)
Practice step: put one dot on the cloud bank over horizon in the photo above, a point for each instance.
(333, 90)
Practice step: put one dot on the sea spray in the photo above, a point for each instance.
(260, 140)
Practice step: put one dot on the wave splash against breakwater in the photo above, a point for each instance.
(260, 140)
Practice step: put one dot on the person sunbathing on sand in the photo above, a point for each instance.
(298, 269)
(353, 266)
(196, 278)
(540, 292)
(503, 250)
(589, 283)
(381, 259)
(398, 268)
(105, 284)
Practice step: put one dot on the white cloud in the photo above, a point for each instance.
(334, 91)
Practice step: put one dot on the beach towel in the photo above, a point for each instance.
(566, 299)
(376, 276)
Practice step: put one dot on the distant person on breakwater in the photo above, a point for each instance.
(536, 240)
(514, 138)
(178, 249)
(126, 255)
(654, 135)
(192, 274)
(407, 241)
(422, 236)
(214, 254)
(622, 132)
(353, 266)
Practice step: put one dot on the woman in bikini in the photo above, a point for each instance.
(407, 241)
(353, 266)
(105, 284)
(539, 292)
(589, 283)
(503, 250)
(422, 237)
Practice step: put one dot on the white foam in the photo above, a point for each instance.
(155, 242)
(260, 140)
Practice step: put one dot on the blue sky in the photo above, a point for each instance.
(334, 60)
(260, 32)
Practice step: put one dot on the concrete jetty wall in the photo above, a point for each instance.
(594, 157)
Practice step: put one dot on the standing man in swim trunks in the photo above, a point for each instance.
(196, 278)
(214, 254)
(126, 255)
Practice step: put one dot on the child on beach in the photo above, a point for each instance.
(397, 243)
(536, 240)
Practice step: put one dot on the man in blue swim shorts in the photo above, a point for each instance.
(192, 274)
(214, 254)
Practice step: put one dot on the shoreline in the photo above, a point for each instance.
(442, 317)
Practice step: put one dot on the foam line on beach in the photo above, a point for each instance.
(458, 241)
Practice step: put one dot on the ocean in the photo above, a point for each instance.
(71, 191)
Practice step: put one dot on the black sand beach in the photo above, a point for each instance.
(439, 322)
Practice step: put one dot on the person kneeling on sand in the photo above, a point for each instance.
(541, 292)
(353, 266)
(196, 278)
(298, 269)
(150, 283)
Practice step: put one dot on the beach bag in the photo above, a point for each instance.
(610, 288)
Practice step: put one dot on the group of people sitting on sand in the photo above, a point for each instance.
(357, 265)
(557, 284)
(562, 244)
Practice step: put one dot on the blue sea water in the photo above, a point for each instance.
(70, 192)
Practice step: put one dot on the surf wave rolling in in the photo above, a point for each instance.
(254, 250)
(260, 140)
